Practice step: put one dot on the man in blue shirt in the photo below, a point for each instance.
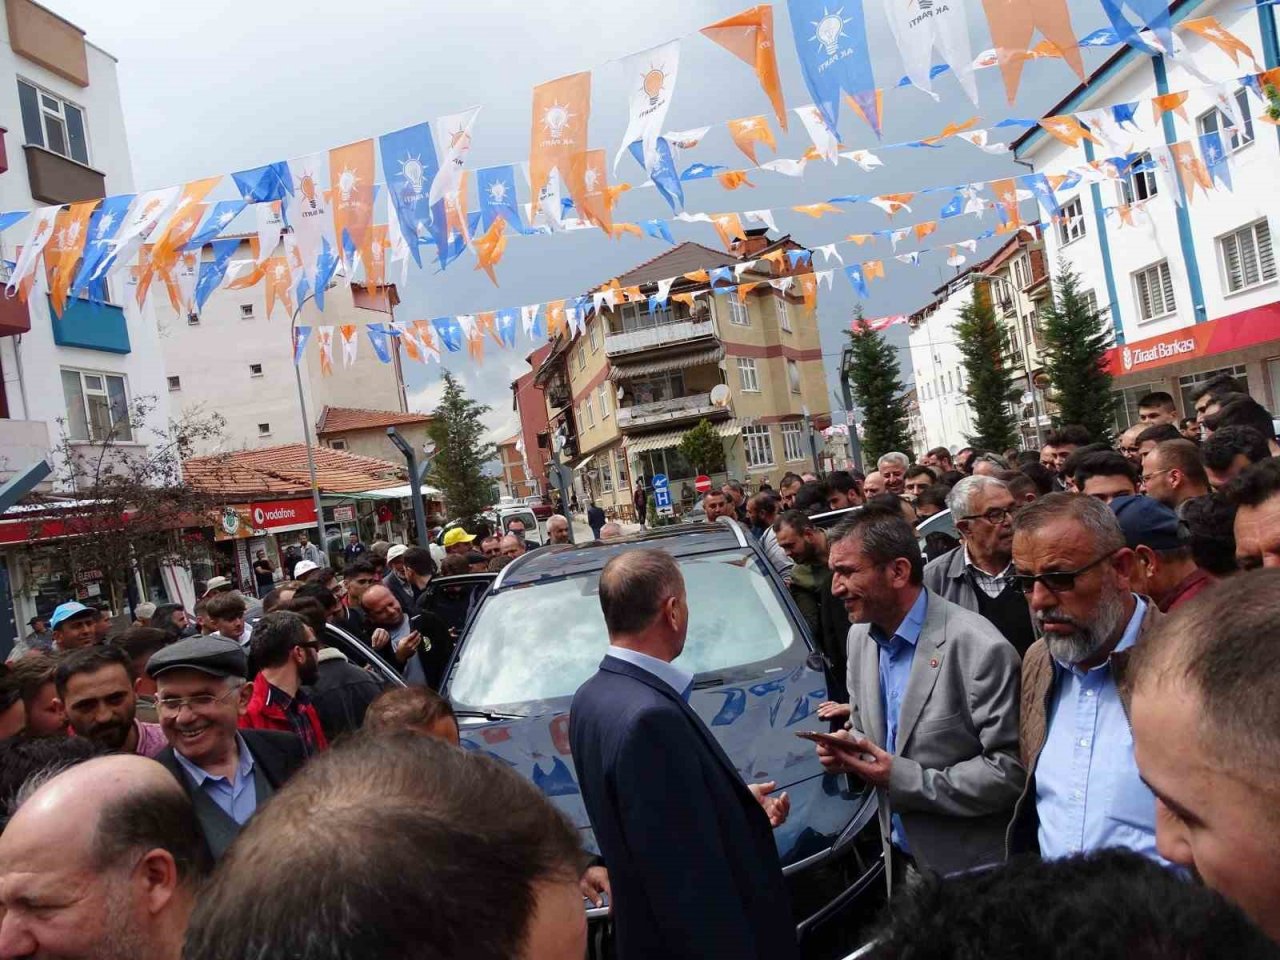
(1083, 789)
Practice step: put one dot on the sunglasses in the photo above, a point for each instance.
(1057, 581)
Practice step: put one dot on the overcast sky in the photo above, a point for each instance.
(213, 88)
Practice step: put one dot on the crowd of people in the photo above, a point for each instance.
(1068, 710)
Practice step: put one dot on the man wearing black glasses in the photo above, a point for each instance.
(1083, 791)
(978, 574)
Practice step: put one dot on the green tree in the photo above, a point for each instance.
(461, 454)
(703, 448)
(872, 369)
(1076, 341)
(988, 382)
(1273, 101)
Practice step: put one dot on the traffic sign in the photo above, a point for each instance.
(662, 500)
(702, 484)
(660, 481)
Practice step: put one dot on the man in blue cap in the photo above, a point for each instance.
(74, 625)
(1164, 568)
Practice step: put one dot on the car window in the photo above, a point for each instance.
(543, 641)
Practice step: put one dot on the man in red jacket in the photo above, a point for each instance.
(284, 649)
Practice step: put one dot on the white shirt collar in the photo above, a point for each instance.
(677, 678)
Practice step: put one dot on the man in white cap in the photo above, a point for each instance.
(216, 585)
(397, 578)
(303, 568)
(74, 625)
(143, 613)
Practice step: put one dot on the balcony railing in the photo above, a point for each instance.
(667, 411)
(664, 335)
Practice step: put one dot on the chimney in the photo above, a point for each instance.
(757, 239)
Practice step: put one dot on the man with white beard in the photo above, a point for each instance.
(1083, 789)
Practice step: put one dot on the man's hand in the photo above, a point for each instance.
(856, 755)
(776, 808)
(380, 639)
(408, 647)
(594, 885)
(830, 710)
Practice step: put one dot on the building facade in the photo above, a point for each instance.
(515, 481)
(1189, 285)
(364, 432)
(623, 392)
(233, 359)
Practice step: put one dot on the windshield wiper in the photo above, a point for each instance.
(490, 715)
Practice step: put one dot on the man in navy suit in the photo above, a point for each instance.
(692, 862)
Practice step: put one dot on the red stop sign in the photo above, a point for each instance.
(702, 484)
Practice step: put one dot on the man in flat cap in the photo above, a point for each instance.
(228, 773)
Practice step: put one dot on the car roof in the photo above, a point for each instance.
(567, 560)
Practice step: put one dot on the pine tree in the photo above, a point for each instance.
(1075, 353)
(703, 448)
(458, 466)
(987, 379)
(873, 380)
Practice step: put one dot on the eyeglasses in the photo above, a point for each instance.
(993, 516)
(201, 701)
(1148, 477)
(1057, 581)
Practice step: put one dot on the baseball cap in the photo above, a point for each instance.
(397, 551)
(144, 611)
(36, 619)
(215, 583)
(1147, 523)
(216, 656)
(68, 610)
(304, 566)
(457, 535)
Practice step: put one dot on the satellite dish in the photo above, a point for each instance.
(621, 392)
(720, 395)
(1025, 398)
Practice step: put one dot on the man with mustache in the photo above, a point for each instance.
(1083, 790)
(96, 687)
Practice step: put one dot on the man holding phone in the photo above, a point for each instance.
(934, 705)
(413, 645)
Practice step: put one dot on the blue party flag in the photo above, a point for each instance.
(663, 173)
(721, 274)
(1039, 184)
(954, 208)
(498, 198)
(7, 220)
(1215, 158)
(272, 181)
(218, 219)
(658, 229)
(213, 271)
(1123, 113)
(301, 335)
(834, 58)
(380, 335)
(798, 257)
(856, 279)
(701, 171)
(410, 164)
(449, 331)
(1151, 13)
(104, 224)
(505, 323)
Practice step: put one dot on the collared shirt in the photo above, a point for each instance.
(677, 678)
(897, 654)
(237, 798)
(1088, 792)
(299, 722)
(1188, 588)
(151, 739)
(992, 584)
(414, 675)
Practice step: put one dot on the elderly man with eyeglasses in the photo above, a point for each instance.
(228, 773)
(978, 574)
(1083, 790)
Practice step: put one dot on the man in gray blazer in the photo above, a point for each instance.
(934, 697)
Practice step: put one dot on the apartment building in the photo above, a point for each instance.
(1188, 284)
(625, 390)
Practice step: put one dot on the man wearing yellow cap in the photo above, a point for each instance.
(458, 541)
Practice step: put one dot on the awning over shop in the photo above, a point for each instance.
(635, 371)
(402, 492)
(582, 464)
(670, 438)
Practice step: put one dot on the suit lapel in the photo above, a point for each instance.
(924, 668)
(869, 706)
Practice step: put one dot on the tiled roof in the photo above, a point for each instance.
(283, 470)
(346, 419)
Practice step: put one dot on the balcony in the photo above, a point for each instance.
(55, 179)
(660, 412)
(666, 335)
(22, 443)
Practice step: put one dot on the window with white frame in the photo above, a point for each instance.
(620, 469)
(604, 401)
(175, 383)
(606, 474)
(1154, 290)
(793, 376)
(582, 357)
(739, 316)
(246, 311)
(53, 123)
(747, 375)
(1217, 121)
(1139, 182)
(784, 314)
(1247, 256)
(792, 447)
(1071, 222)
(1021, 272)
(591, 412)
(593, 331)
(758, 446)
(97, 406)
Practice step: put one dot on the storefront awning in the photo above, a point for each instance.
(634, 371)
(402, 492)
(670, 438)
(582, 464)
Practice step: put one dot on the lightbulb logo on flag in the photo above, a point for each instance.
(828, 32)
(556, 118)
(414, 173)
(654, 82)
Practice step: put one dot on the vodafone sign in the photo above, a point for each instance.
(283, 515)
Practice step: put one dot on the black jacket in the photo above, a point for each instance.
(341, 694)
(276, 757)
(695, 874)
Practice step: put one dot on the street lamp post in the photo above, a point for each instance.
(322, 543)
(416, 472)
(562, 477)
(846, 392)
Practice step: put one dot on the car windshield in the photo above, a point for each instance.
(542, 641)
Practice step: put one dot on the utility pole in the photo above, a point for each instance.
(846, 393)
(417, 471)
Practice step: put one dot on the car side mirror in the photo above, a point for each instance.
(817, 662)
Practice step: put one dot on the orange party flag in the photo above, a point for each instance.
(490, 246)
(698, 276)
(633, 294)
(561, 111)
(70, 230)
(873, 270)
(749, 37)
(775, 257)
(734, 179)
(859, 238)
(488, 323)
(744, 289)
(951, 129)
(1125, 211)
(589, 168)
(279, 283)
(621, 226)
(557, 325)
(809, 291)
(729, 226)
(426, 340)
(1191, 169)
(685, 298)
(351, 199)
(1212, 30)
(1014, 22)
(1067, 129)
(1006, 194)
(923, 230)
(1176, 101)
(816, 210)
(748, 131)
(876, 119)
(375, 268)
(143, 272)
(475, 344)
